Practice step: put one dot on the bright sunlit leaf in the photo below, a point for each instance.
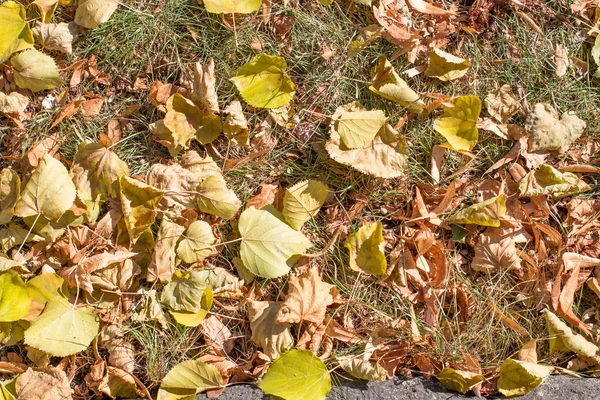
(459, 123)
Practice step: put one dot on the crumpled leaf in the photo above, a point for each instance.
(501, 104)
(459, 123)
(50, 192)
(268, 244)
(445, 66)
(357, 129)
(14, 30)
(35, 71)
(495, 251)
(187, 379)
(388, 84)
(236, 125)
(520, 377)
(186, 121)
(47, 384)
(232, 6)
(162, 265)
(62, 329)
(139, 203)
(385, 157)
(101, 167)
(366, 248)
(562, 338)
(10, 186)
(302, 201)
(214, 197)
(13, 103)
(197, 242)
(47, 8)
(459, 381)
(297, 375)
(272, 337)
(366, 36)
(548, 132)
(57, 37)
(307, 299)
(80, 274)
(362, 369)
(91, 13)
(486, 213)
(221, 282)
(14, 298)
(263, 82)
(549, 181)
(204, 92)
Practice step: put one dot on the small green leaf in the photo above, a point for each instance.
(486, 213)
(297, 375)
(15, 34)
(14, 298)
(188, 379)
(35, 71)
(62, 329)
(459, 123)
(263, 82)
(184, 292)
(518, 378)
(302, 201)
(459, 381)
(366, 249)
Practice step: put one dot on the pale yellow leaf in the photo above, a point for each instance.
(445, 66)
(459, 123)
(302, 201)
(366, 249)
(388, 84)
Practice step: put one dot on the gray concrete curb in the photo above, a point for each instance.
(556, 387)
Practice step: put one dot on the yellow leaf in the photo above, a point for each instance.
(15, 34)
(486, 213)
(197, 242)
(232, 6)
(548, 180)
(186, 121)
(10, 186)
(192, 319)
(188, 379)
(365, 37)
(459, 123)
(357, 129)
(49, 191)
(263, 82)
(302, 201)
(362, 369)
(139, 203)
(35, 71)
(236, 125)
(366, 248)
(459, 381)
(445, 66)
(520, 377)
(387, 83)
(562, 338)
(91, 13)
(214, 197)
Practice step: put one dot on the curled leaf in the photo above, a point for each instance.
(272, 337)
(459, 123)
(549, 181)
(236, 125)
(520, 377)
(562, 338)
(445, 66)
(486, 213)
(459, 381)
(366, 248)
(388, 84)
(139, 203)
(186, 380)
(362, 369)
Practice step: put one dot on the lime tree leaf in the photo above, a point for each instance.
(548, 132)
(43, 288)
(49, 191)
(236, 125)
(13, 103)
(10, 186)
(549, 181)
(501, 104)
(302, 201)
(562, 338)
(459, 381)
(362, 369)
(195, 318)
(388, 84)
(232, 6)
(91, 13)
(15, 34)
(385, 157)
(486, 213)
(47, 8)
(35, 71)
(459, 123)
(14, 235)
(139, 203)
(7, 389)
(189, 378)
(297, 375)
(184, 292)
(48, 383)
(366, 36)
(596, 54)
(263, 82)
(366, 249)
(186, 121)
(62, 329)
(268, 244)
(57, 37)
(214, 197)
(274, 338)
(101, 167)
(197, 242)
(357, 129)
(521, 377)
(14, 298)
(445, 66)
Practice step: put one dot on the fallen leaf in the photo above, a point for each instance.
(162, 264)
(13, 103)
(14, 297)
(266, 196)
(14, 30)
(445, 66)
(186, 121)
(232, 6)
(549, 181)
(302, 202)
(362, 369)
(562, 338)
(548, 132)
(486, 213)
(459, 123)
(139, 203)
(357, 129)
(35, 71)
(518, 378)
(263, 82)
(427, 8)
(48, 383)
(528, 352)
(366, 36)
(91, 13)
(10, 186)
(366, 249)
(47, 8)
(236, 125)
(204, 91)
(501, 104)
(57, 37)
(273, 338)
(197, 242)
(495, 251)
(561, 59)
(388, 84)
(189, 378)
(459, 381)
(214, 197)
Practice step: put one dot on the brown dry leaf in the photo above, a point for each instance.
(204, 92)
(561, 59)
(426, 8)
(548, 132)
(495, 251)
(217, 335)
(121, 352)
(366, 36)
(529, 352)
(307, 299)
(57, 37)
(236, 125)
(179, 184)
(274, 338)
(13, 103)
(43, 384)
(162, 265)
(79, 275)
(501, 104)
(267, 195)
